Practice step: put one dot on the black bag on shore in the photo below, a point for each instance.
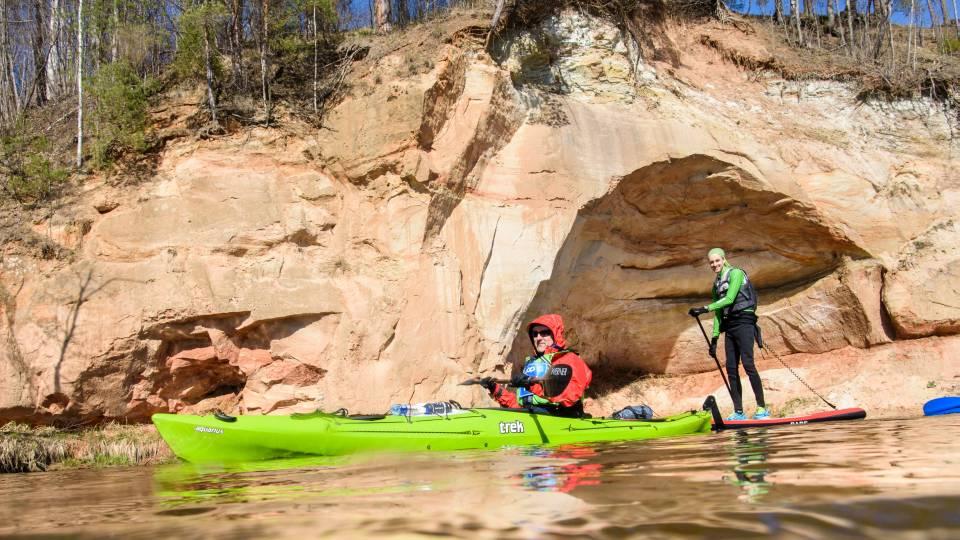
(634, 412)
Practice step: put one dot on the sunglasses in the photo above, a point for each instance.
(539, 333)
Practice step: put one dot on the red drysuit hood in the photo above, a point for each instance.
(555, 323)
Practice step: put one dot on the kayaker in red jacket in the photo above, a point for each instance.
(551, 354)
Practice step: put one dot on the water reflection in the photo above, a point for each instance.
(561, 477)
(750, 469)
(303, 480)
(862, 479)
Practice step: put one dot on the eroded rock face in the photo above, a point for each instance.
(923, 290)
(399, 251)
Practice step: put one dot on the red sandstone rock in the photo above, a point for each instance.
(399, 250)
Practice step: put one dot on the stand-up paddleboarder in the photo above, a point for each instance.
(734, 307)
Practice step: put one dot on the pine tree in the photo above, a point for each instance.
(197, 55)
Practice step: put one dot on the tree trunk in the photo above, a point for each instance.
(39, 54)
(808, 9)
(795, 11)
(911, 38)
(381, 14)
(778, 11)
(80, 84)
(884, 30)
(839, 22)
(888, 13)
(831, 18)
(936, 22)
(316, 59)
(851, 16)
(956, 17)
(403, 13)
(115, 38)
(55, 78)
(495, 22)
(236, 43)
(11, 98)
(211, 95)
(944, 11)
(264, 55)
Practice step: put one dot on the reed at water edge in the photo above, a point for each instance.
(31, 449)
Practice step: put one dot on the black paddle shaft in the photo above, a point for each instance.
(554, 382)
(720, 369)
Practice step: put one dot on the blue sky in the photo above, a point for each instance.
(360, 9)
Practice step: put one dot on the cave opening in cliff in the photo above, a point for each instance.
(634, 262)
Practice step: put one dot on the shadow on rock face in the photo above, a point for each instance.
(635, 261)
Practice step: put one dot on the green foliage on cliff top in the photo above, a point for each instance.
(118, 113)
(28, 173)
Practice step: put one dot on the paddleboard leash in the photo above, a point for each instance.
(794, 373)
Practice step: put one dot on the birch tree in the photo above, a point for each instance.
(115, 36)
(8, 89)
(381, 15)
(265, 56)
(208, 72)
(79, 84)
(795, 13)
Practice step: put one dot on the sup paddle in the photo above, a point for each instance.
(763, 350)
(714, 356)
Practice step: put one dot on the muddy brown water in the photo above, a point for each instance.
(870, 478)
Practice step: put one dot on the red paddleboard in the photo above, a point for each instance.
(826, 416)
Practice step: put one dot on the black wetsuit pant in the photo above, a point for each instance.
(738, 345)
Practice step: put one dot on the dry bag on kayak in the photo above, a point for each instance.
(634, 412)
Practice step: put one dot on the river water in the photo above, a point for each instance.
(870, 478)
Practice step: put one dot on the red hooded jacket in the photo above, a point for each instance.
(579, 381)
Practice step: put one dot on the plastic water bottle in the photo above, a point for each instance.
(408, 409)
(400, 409)
(440, 408)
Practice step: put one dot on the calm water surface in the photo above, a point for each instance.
(888, 478)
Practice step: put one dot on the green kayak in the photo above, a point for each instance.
(222, 438)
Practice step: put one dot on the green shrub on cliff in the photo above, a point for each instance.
(28, 173)
(119, 112)
(189, 63)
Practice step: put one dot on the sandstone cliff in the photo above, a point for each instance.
(455, 194)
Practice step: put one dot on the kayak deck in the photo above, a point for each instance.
(220, 438)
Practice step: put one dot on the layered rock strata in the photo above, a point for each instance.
(398, 250)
